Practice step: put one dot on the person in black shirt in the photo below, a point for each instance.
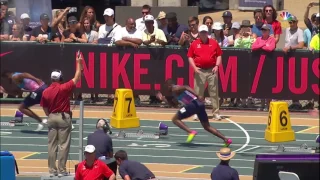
(73, 34)
(223, 171)
(4, 25)
(131, 169)
(25, 20)
(44, 33)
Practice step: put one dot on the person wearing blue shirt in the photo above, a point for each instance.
(307, 37)
(256, 27)
(223, 171)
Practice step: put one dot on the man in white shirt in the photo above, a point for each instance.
(108, 30)
(129, 35)
(146, 10)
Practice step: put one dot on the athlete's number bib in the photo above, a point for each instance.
(33, 95)
(182, 110)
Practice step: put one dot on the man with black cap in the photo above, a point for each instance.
(55, 102)
(44, 33)
(72, 34)
(314, 23)
(4, 25)
(174, 30)
(227, 26)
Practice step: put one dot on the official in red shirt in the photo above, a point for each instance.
(56, 104)
(205, 57)
(92, 168)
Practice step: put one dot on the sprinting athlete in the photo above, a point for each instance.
(28, 83)
(192, 104)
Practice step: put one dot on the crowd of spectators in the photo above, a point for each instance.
(264, 33)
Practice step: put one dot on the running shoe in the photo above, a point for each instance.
(191, 136)
(227, 144)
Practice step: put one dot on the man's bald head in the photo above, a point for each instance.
(130, 24)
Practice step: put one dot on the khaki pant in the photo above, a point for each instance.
(200, 80)
(59, 134)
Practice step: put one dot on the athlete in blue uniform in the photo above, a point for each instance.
(192, 104)
(28, 83)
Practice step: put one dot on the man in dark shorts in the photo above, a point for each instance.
(192, 104)
(28, 83)
(132, 170)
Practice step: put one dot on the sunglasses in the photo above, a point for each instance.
(291, 22)
(268, 10)
(143, 12)
(192, 25)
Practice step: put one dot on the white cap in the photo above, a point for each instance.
(235, 25)
(89, 149)
(217, 26)
(318, 15)
(149, 17)
(55, 75)
(108, 12)
(203, 28)
(24, 16)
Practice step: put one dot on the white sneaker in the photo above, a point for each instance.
(195, 117)
(216, 117)
(40, 127)
(44, 121)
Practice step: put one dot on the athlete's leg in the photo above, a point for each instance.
(178, 122)
(25, 110)
(203, 117)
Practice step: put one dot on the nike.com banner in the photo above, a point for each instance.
(244, 73)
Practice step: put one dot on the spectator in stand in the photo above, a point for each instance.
(132, 169)
(245, 39)
(91, 35)
(236, 33)
(205, 58)
(270, 17)
(219, 35)
(90, 13)
(266, 42)
(256, 27)
(60, 23)
(315, 42)
(4, 25)
(163, 22)
(153, 36)
(307, 35)
(17, 33)
(174, 30)
(207, 20)
(25, 20)
(91, 168)
(8, 15)
(294, 36)
(192, 34)
(129, 35)
(108, 30)
(73, 34)
(140, 23)
(223, 171)
(312, 25)
(227, 26)
(44, 33)
(101, 141)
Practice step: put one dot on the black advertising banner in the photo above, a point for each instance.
(244, 73)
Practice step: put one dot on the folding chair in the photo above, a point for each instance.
(288, 176)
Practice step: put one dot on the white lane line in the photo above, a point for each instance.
(249, 149)
(173, 135)
(244, 131)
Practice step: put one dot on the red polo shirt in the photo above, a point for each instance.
(57, 97)
(204, 54)
(98, 171)
(276, 26)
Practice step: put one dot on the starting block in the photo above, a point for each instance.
(302, 149)
(163, 131)
(279, 124)
(124, 111)
(16, 121)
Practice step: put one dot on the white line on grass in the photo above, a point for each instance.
(245, 132)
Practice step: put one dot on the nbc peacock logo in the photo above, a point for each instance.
(285, 17)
